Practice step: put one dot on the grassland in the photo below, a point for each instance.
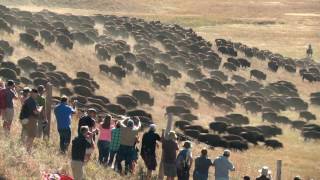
(258, 23)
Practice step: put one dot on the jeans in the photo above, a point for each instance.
(112, 154)
(103, 147)
(125, 153)
(65, 138)
(183, 174)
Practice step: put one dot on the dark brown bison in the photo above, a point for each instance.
(219, 127)
(307, 115)
(127, 101)
(7, 73)
(65, 42)
(104, 68)
(272, 143)
(139, 113)
(273, 66)
(82, 90)
(5, 46)
(161, 79)
(115, 109)
(229, 66)
(47, 36)
(258, 74)
(143, 97)
(176, 110)
(4, 26)
(117, 72)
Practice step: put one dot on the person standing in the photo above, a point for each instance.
(148, 149)
(223, 166)
(80, 145)
(169, 151)
(63, 113)
(42, 120)
(184, 161)
(265, 173)
(88, 120)
(202, 165)
(104, 139)
(10, 94)
(114, 144)
(309, 51)
(23, 97)
(28, 116)
(128, 135)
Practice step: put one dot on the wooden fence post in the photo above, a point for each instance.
(165, 133)
(48, 107)
(279, 164)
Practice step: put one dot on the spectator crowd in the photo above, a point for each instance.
(116, 138)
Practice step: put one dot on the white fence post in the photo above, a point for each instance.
(279, 164)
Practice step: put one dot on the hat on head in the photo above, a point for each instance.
(10, 82)
(92, 110)
(265, 171)
(226, 152)
(187, 144)
(172, 135)
(152, 127)
(26, 89)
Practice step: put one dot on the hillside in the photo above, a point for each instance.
(298, 155)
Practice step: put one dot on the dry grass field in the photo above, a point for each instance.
(284, 26)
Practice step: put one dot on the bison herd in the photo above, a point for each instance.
(163, 53)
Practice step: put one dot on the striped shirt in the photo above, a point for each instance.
(115, 139)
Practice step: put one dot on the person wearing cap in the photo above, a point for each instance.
(169, 151)
(265, 173)
(148, 149)
(202, 165)
(184, 161)
(88, 120)
(10, 94)
(223, 166)
(80, 147)
(63, 113)
(29, 114)
(128, 137)
(42, 120)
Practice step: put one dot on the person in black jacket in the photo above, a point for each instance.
(79, 147)
(88, 120)
(148, 149)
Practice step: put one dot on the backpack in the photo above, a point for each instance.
(182, 162)
(3, 99)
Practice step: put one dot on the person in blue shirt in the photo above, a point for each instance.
(223, 165)
(63, 113)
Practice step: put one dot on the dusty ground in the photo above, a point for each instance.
(284, 26)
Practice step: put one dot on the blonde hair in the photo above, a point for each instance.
(172, 135)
